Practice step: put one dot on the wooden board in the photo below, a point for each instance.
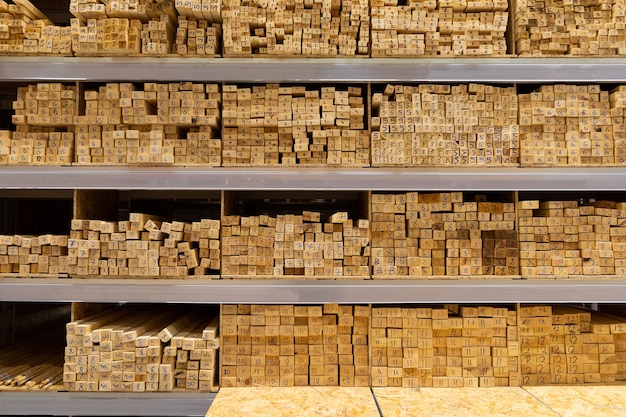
(294, 401)
(468, 402)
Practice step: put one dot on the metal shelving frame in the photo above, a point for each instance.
(509, 70)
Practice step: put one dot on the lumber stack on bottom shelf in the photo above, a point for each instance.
(144, 246)
(35, 364)
(566, 345)
(286, 345)
(444, 347)
(425, 234)
(296, 245)
(137, 349)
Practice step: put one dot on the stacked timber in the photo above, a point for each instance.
(565, 238)
(554, 27)
(44, 120)
(566, 125)
(137, 349)
(444, 28)
(295, 246)
(566, 345)
(444, 347)
(280, 28)
(24, 30)
(444, 125)
(298, 125)
(175, 123)
(28, 255)
(287, 345)
(440, 234)
(144, 246)
(199, 31)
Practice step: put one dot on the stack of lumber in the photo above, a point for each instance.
(176, 123)
(321, 29)
(295, 245)
(443, 125)
(25, 30)
(439, 28)
(441, 234)
(197, 37)
(298, 125)
(199, 29)
(566, 238)
(549, 28)
(104, 36)
(617, 99)
(44, 119)
(143, 246)
(434, 347)
(114, 27)
(566, 125)
(137, 349)
(561, 344)
(45, 254)
(157, 36)
(35, 364)
(286, 346)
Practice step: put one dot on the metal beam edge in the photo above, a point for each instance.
(339, 179)
(459, 69)
(314, 292)
(109, 404)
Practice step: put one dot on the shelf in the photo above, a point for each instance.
(104, 404)
(339, 179)
(314, 292)
(383, 70)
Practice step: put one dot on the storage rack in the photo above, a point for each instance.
(492, 70)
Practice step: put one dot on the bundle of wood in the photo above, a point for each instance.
(555, 27)
(136, 348)
(566, 125)
(144, 246)
(44, 119)
(443, 125)
(566, 238)
(176, 123)
(440, 234)
(321, 29)
(295, 245)
(455, 346)
(274, 125)
(562, 344)
(286, 346)
(27, 255)
(24, 29)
